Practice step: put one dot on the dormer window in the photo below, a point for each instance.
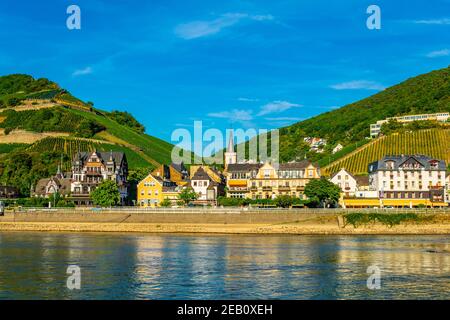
(389, 165)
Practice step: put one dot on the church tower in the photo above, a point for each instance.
(230, 154)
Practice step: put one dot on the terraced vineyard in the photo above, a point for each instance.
(70, 146)
(155, 149)
(433, 142)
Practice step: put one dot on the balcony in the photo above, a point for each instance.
(238, 189)
(267, 189)
(284, 188)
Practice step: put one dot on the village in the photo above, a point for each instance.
(394, 181)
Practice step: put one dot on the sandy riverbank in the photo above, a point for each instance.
(305, 225)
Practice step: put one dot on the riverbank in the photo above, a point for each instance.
(231, 223)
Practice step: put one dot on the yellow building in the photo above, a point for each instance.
(153, 190)
(265, 181)
(175, 172)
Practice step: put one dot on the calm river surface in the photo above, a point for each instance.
(142, 266)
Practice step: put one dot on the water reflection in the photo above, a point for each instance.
(135, 266)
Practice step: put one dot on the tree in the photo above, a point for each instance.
(284, 201)
(12, 102)
(106, 194)
(126, 119)
(187, 195)
(323, 190)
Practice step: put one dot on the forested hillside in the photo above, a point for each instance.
(427, 93)
(39, 106)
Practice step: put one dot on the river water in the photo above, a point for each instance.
(153, 266)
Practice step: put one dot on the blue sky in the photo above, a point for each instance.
(261, 64)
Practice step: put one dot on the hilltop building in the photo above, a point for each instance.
(316, 144)
(375, 128)
(338, 148)
(265, 181)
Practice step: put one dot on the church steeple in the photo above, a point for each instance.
(230, 142)
(230, 155)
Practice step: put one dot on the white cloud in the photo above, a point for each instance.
(444, 21)
(266, 17)
(202, 28)
(82, 72)
(439, 53)
(234, 115)
(247, 99)
(276, 107)
(283, 119)
(358, 84)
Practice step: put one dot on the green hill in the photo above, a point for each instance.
(434, 143)
(427, 93)
(43, 107)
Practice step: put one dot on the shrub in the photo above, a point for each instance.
(390, 219)
(165, 203)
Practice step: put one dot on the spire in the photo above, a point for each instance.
(231, 142)
(230, 155)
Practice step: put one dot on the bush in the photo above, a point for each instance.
(12, 102)
(126, 119)
(165, 203)
(283, 201)
(356, 219)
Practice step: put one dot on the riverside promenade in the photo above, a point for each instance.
(216, 220)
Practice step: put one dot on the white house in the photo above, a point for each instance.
(207, 189)
(447, 188)
(409, 177)
(338, 148)
(351, 186)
